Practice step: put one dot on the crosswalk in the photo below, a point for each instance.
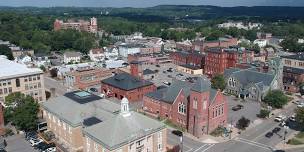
(203, 148)
(253, 143)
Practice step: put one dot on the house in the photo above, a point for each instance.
(96, 54)
(193, 106)
(260, 42)
(249, 83)
(24, 59)
(190, 69)
(85, 122)
(71, 57)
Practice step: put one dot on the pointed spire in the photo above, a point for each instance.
(124, 111)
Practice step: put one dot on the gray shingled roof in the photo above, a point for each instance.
(169, 94)
(293, 70)
(248, 76)
(126, 81)
(121, 130)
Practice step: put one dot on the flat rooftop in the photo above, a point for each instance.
(9, 69)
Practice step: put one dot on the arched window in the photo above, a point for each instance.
(182, 108)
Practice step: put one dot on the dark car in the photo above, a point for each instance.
(237, 107)
(269, 135)
(276, 130)
(177, 133)
(279, 151)
(157, 65)
(93, 90)
(29, 135)
(43, 146)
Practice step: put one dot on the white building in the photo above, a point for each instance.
(96, 55)
(71, 57)
(126, 49)
(240, 25)
(260, 42)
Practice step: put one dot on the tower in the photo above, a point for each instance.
(124, 107)
(93, 25)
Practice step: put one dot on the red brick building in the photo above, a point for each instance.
(193, 106)
(131, 86)
(81, 25)
(86, 77)
(191, 58)
(292, 79)
(225, 42)
(218, 59)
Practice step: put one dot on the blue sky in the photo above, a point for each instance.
(148, 3)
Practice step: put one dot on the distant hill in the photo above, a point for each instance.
(171, 12)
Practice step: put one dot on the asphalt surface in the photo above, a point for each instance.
(17, 143)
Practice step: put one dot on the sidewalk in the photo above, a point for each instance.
(283, 145)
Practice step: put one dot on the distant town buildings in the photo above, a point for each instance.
(260, 42)
(193, 106)
(85, 122)
(97, 54)
(188, 58)
(15, 77)
(240, 25)
(81, 25)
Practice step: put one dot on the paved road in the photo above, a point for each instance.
(58, 85)
(254, 140)
(189, 145)
(17, 143)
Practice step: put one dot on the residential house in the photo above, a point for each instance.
(71, 57)
(96, 54)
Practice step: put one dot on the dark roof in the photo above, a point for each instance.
(91, 121)
(82, 97)
(212, 95)
(293, 70)
(299, 56)
(126, 81)
(148, 71)
(169, 94)
(189, 66)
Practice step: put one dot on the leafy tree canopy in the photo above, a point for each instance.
(218, 82)
(276, 99)
(5, 50)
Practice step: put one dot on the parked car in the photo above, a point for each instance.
(93, 90)
(167, 83)
(301, 105)
(279, 118)
(30, 135)
(177, 133)
(157, 65)
(276, 130)
(51, 149)
(292, 118)
(35, 141)
(269, 135)
(282, 124)
(237, 107)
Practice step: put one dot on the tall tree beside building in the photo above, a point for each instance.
(276, 98)
(5, 50)
(218, 82)
(300, 116)
(22, 111)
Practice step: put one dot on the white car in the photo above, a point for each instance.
(292, 118)
(279, 118)
(300, 105)
(35, 142)
(51, 149)
(282, 124)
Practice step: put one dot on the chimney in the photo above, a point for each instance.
(136, 69)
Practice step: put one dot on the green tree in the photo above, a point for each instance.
(300, 116)
(218, 82)
(276, 98)
(22, 110)
(42, 67)
(5, 50)
(263, 113)
(243, 123)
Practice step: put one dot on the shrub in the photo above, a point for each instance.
(243, 123)
(263, 113)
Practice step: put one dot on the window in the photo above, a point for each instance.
(159, 147)
(39, 85)
(30, 78)
(182, 108)
(9, 82)
(5, 91)
(26, 87)
(25, 80)
(96, 147)
(17, 82)
(195, 103)
(10, 90)
(88, 144)
(1, 92)
(38, 77)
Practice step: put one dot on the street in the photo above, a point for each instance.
(49, 83)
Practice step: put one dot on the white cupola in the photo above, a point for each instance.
(124, 109)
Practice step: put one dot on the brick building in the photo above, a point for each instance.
(225, 42)
(184, 46)
(293, 72)
(83, 78)
(191, 58)
(81, 25)
(131, 86)
(219, 59)
(155, 58)
(193, 106)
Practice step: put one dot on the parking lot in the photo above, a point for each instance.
(249, 111)
(163, 75)
(17, 143)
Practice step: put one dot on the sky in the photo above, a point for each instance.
(148, 3)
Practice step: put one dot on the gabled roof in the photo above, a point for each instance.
(121, 130)
(126, 81)
(169, 94)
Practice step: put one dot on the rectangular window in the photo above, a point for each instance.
(38, 77)
(17, 82)
(25, 80)
(5, 91)
(96, 147)
(26, 86)
(10, 90)
(9, 82)
(1, 92)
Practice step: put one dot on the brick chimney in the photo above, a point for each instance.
(136, 69)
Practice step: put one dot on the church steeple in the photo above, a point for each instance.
(124, 109)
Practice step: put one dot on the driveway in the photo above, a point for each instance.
(17, 143)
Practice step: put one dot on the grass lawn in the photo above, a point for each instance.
(297, 140)
(169, 123)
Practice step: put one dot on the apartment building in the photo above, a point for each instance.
(15, 77)
(293, 72)
(81, 25)
(85, 122)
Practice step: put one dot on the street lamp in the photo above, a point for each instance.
(285, 133)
